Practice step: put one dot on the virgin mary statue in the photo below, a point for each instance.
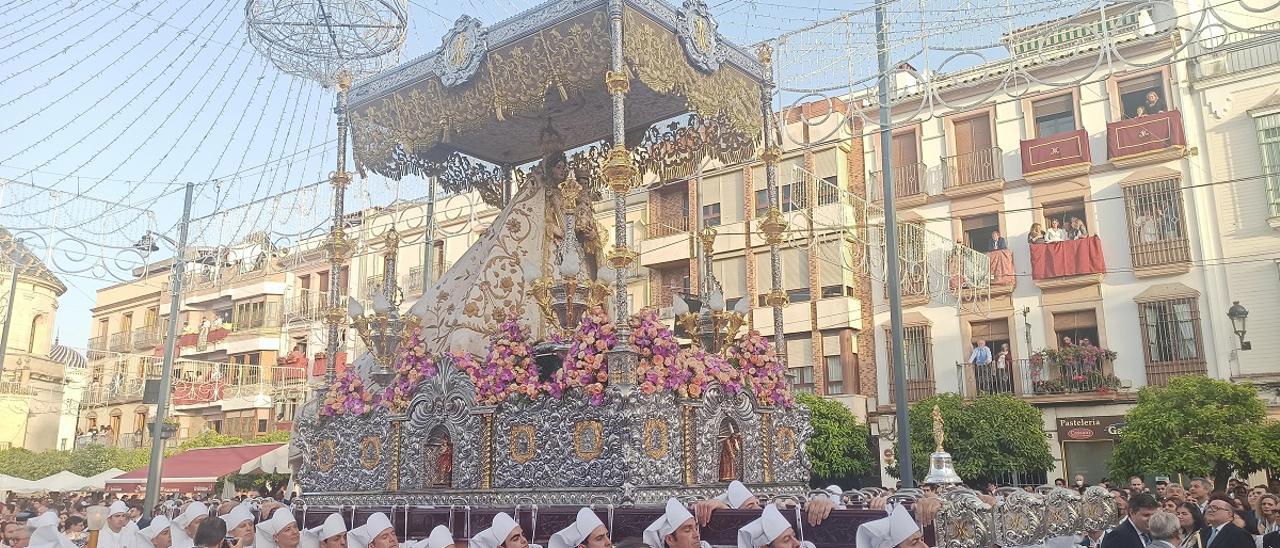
(494, 277)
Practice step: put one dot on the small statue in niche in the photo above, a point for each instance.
(439, 461)
(730, 452)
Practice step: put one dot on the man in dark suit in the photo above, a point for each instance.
(1219, 532)
(1132, 531)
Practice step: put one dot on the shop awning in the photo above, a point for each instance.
(195, 470)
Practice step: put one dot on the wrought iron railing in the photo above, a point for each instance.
(1047, 374)
(120, 342)
(908, 180)
(146, 337)
(1237, 52)
(976, 167)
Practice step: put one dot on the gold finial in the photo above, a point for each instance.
(765, 54)
(569, 189)
(392, 240)
(938, 435)
(708, 240)
(344, 80)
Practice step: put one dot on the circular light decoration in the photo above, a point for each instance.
(320, 40)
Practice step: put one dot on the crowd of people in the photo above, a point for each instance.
(1164, 516)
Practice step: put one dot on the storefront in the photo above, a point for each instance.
(1087, 443)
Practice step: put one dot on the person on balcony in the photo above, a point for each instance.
(997, 242)
(1036, 234)
(1148, 227)
(1153, 105)
(1055, 233)
(1004, 366)
(1077, 230)
(981, 360)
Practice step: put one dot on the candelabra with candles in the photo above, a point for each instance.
(563, 299)
(383, 330)
(711, 327)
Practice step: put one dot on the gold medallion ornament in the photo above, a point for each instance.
(370, 452)
(588, 440)
(326, 455)
(523, 444)
(656, 438)
(787, 444)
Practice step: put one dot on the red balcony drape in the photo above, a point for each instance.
(1069, 258)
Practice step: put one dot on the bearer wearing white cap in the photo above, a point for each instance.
(47, 536)
(48, 518)
(674, 529)
(331, 534)
(770, 531)
(377, 532)
(737, 496)
(503, 532)
(899, 530)
(119, 532)
(278, 531)
(240, 524)
(440, 537)
(156, 535)
(587, 531)
(183, 528)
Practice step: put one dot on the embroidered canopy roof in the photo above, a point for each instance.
(495, 93)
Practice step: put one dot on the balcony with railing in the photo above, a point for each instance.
(993, 378)
(1236, 53)
(258, 321)
(1073, 370)
(205, 382)
(1068, 263)
(12, 388)
(120, 342)
(908, 185)
(977, 172)
(411, 283)
(146, 337)
(1146, 139)
(98, 343)
(309, 305)
(1057, 156)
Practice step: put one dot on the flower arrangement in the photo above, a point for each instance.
(348, 396)
(507, 369)
(659, 352)
(753, 356)
(413, 365)
(584, 365)
(699, 368)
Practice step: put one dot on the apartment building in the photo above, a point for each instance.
(233, 370)
(40, 380)
(1233, 82)
(1117, 154)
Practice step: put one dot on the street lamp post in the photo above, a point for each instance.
(1239, 315)
(158, 433)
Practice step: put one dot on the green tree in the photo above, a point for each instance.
(838, 450)
(1197, 426)
(21, 463)
(988, 437)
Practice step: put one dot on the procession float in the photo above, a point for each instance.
(519, 379)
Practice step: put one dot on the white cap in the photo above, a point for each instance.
(736, 495)
(148, 533)
(117, 507)
(194, 510)
(47, 518)
(496, 534)
(672, 519)
(47, 536)
(765, 530)
(440, 537)
(236, 516)
(577, 532)
(266, 537)
(360, 537)
(332, 526)
(887, 532)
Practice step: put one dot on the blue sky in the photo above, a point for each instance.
(109, 106)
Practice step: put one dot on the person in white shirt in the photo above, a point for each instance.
(587, 531)
(1055, 232)
(240, 525)
(441, 537)
(676, 528)
(770, 531)
(737, 496)
(156, 535)
(183, 529)
(119, 532)
(278, 531)
(503, 532)
(331, 534)
(49, 537)
(898, 530)
(377, 532)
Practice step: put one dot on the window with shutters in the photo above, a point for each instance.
(1054, 115)
(1269, 142)
(834, 258)
(732, 274)
(795, 275)
(800, 361)
(918, 356)
(1171, 338)
(721, 198)
(1157, 225)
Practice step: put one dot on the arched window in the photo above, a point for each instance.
(37, 326)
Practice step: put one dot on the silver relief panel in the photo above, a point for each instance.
(720, 410)
(446, 402)
(791, 432)
(558, 443)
